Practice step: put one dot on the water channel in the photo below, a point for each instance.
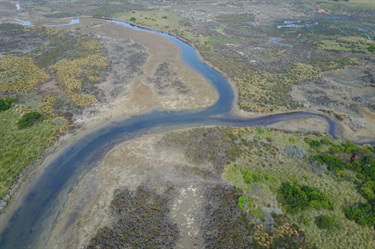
(31, 222)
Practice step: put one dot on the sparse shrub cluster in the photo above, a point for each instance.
(265, 91)
(342, 156)
(223, 223)
(315, 143)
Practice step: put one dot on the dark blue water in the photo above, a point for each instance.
(48, 193)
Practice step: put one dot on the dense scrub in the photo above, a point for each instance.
(141, 220)
(224, 225)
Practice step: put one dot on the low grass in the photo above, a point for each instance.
(353, 44)
(21, 147)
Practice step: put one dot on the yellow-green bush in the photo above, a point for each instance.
(71, 73)
(19, 73)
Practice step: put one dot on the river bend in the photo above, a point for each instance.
(48, 192)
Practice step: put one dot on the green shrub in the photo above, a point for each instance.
(349, 147)
(362, 213)
(365, 168)
(6, 103)
(368, 190)
(261, 130)
(132, 19)
(251, 177)
(312, 142)
(298, 198)
(327, 222)
(332, 162)
(242, 202)
(29, 119)
(371, 49)
(325, 141)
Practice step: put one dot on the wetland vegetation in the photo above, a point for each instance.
(266, 188)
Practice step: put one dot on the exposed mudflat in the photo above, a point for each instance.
(146, 73)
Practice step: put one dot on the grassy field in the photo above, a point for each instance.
(19, 148)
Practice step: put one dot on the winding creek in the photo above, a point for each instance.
(31, 222)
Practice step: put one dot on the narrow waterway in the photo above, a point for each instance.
(32, 221)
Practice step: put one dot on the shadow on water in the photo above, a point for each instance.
(48, 193)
